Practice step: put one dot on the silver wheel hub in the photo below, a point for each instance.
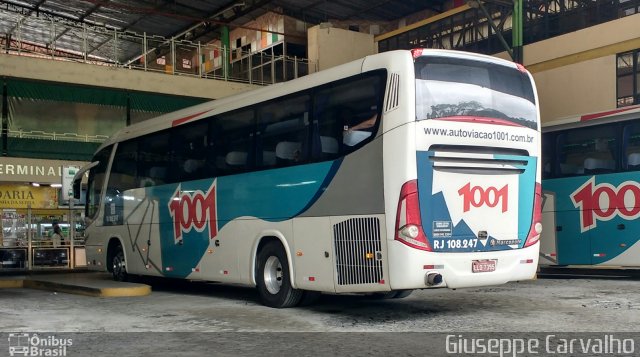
(273, 275)
(118, 264)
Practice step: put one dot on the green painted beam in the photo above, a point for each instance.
(517, 31)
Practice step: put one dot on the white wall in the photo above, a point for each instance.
(617, 31)
(329, 46)
(576, 72)
(579, 88)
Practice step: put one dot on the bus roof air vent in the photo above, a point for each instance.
(393, 93)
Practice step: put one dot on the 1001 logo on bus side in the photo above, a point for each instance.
(603, 202)
(193, 210)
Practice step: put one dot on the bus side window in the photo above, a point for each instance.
(234, 141)
(123, 177)
(190, 152)
(153, 159)
(547, 155)
(631, 147)
(590, 150)
(570, 156)
(283, 133)
(124, 171)
(96, 179)
(346, 116)
(633, 161)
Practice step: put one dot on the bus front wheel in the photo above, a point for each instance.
(273, 278)
(118, 266)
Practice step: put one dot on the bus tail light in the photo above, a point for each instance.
(408, 222)
(416, 52)
(536, 223)
(521, 68)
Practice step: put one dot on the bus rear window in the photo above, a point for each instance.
(451, 87)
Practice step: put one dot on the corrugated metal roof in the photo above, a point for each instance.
(61, 24)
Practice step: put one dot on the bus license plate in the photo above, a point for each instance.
(483, 266)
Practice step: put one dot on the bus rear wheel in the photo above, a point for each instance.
(393, 294)
(401, 294)
(273, 278)
(118, 266)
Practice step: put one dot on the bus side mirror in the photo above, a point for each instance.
(77, 179)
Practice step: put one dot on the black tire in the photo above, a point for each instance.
(309, 298)
(393, 294)
(401, 294)
(384, 296)
(273, 279)
(118, 265)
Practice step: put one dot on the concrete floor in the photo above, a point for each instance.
(226, 314)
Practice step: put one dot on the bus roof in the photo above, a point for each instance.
(468, 55)
(619, 114)
(236, 101)
(259, 95)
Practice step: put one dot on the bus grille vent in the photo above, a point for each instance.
(475, 159)
(394, 93)
(358, 251)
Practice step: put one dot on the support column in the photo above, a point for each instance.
(128, 119)
(5, 118)
(517, 30)
(478, 4)
(226, 51)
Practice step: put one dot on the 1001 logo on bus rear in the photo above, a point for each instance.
(477, 196)
(193, 210)
(603, 202)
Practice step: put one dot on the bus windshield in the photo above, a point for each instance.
(453, 87)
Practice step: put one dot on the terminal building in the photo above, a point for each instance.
(73, 73)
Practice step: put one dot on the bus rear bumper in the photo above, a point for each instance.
(457, 269)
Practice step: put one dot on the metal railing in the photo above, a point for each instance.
(471, 29)
(39, 134)
(59, 39)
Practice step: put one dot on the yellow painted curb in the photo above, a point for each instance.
(143, 290)
(11, 284)
(138, 290)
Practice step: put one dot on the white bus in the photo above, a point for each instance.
(402, 170)
(591, 178)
